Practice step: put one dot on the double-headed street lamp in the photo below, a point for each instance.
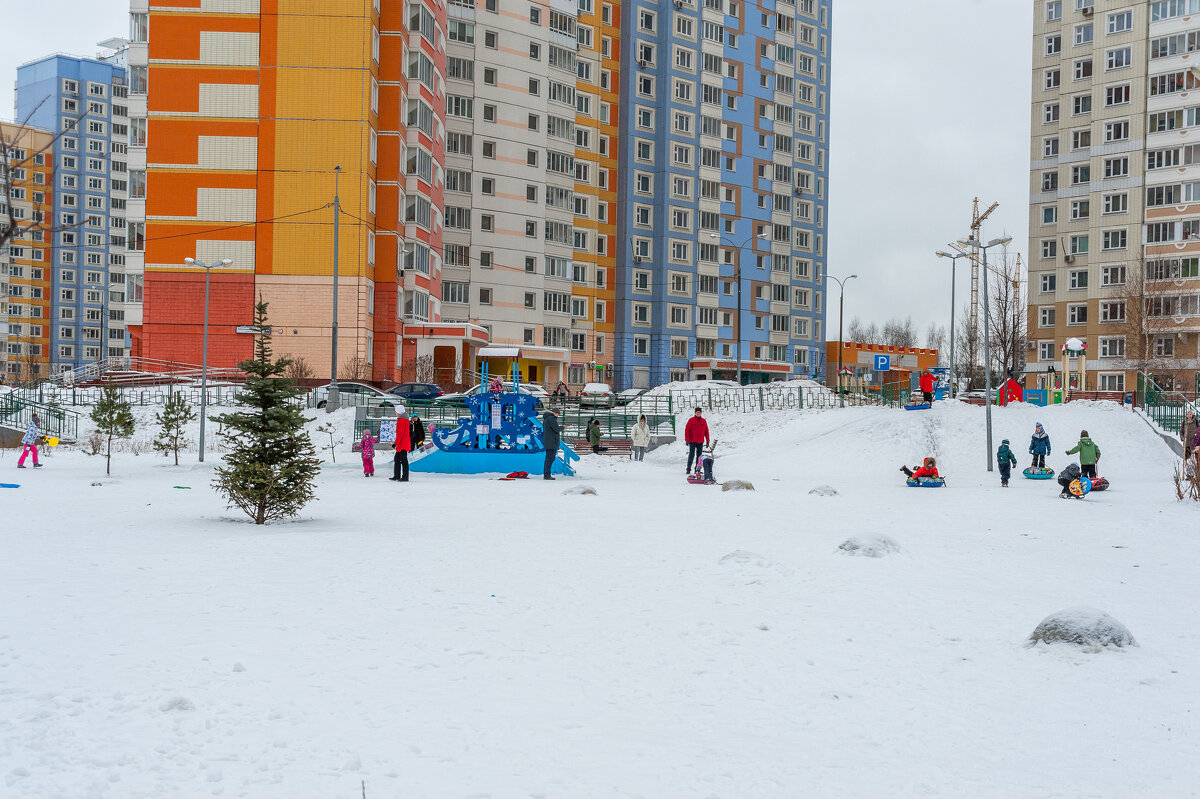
(737, 277)
(987, 351)
(841, 313)
(204, 357)
(953, 272)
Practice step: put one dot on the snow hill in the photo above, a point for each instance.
(465, 637)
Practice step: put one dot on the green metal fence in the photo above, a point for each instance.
(136, 395)
(1166, 408)
(16, 411)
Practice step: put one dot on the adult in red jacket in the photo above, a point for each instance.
(695, 433)
(927, 383)
(403, 446)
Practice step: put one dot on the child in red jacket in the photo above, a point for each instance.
(929, 469)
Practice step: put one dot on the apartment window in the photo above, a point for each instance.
(1083, 68)
(1053, 44)
(1120, 58)
(1045, 350)
(1164, 347)
(1050, 113)
(1046, 316)
(1112, 381)
(1081, 174)
(1052, 79)
(1083, 33)
(1081, 104)
(1117, 95)
(1080, 209)
(1081, 139)
(1113, 275)
(1112, 347)
(1077, 314)
(1049, 181)
(1112, 311)
(641, 345)
(1113, 240)
(1120, 22)
(1050, 147)
(1079, 245)
(1116, 167)
(1049, 214)
(1077, 279)
(1116, 203)
(1053, 10)
(1049, 283)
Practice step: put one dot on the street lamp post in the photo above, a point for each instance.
(987, 351)
(953, 272)
(333, 398)
(204, 346)
(841, 312)
(737, 278)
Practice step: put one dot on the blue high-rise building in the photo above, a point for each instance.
(722, 190)
(84, 99)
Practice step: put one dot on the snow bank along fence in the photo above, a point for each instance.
(768, 397)
(136, 395)
(1165, 408)
(16, 411)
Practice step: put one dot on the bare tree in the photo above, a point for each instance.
(1008, 322)
(1152, 300)
(935, 336)
(425, 372)
(856, 330)
(355, 367)
(17, 153)
(899, 333)
(298, 370)
(969, 344)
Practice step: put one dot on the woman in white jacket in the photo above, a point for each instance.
(641, 438)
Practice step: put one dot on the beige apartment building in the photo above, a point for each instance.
(1114, 213)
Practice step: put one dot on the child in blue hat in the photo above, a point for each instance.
(1006, 460)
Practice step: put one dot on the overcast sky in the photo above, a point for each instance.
(930, 108)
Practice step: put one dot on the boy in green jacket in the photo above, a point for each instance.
(1089, 454)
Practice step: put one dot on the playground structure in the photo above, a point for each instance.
(502, 435)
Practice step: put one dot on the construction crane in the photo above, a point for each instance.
(976, 223)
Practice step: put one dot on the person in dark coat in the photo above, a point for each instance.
(595, 436)
(1039, 446)
(551, 433)
(1187, 432)
(403, 446)
(1006, 460)
(1067, 476)
(416, 432)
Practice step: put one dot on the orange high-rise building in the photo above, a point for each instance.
(27, 183)
(249, 110)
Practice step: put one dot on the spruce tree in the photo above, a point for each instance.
(175, 415)
(270, 468)
(113, 417)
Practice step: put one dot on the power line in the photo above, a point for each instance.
(231, 227)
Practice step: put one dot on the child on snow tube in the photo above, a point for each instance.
(929, 469)
(1067, 476)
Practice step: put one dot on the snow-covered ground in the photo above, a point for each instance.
(465, 637)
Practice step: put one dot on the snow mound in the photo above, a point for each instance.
(1084, 627)
(737, 485)
(179, 704)
(874, 546)
(824, 491)
(580, 490)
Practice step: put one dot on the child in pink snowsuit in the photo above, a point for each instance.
(368, 453)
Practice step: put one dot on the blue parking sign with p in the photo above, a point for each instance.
(883, 363)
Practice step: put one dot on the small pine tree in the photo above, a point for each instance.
(175, 415)
(271, 465)
(113, 416)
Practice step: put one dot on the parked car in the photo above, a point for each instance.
(350, 393)
(424, 392)
(460, 398)
(597, 395)
(629, 395)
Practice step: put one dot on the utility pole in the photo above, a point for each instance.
(332, 401)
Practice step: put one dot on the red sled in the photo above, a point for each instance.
(698, 479)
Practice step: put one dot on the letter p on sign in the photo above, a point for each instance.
(883, 363)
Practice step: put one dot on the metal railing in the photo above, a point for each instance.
(769, 397)
(1165, 408)
(16, 412)
(135, 395)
